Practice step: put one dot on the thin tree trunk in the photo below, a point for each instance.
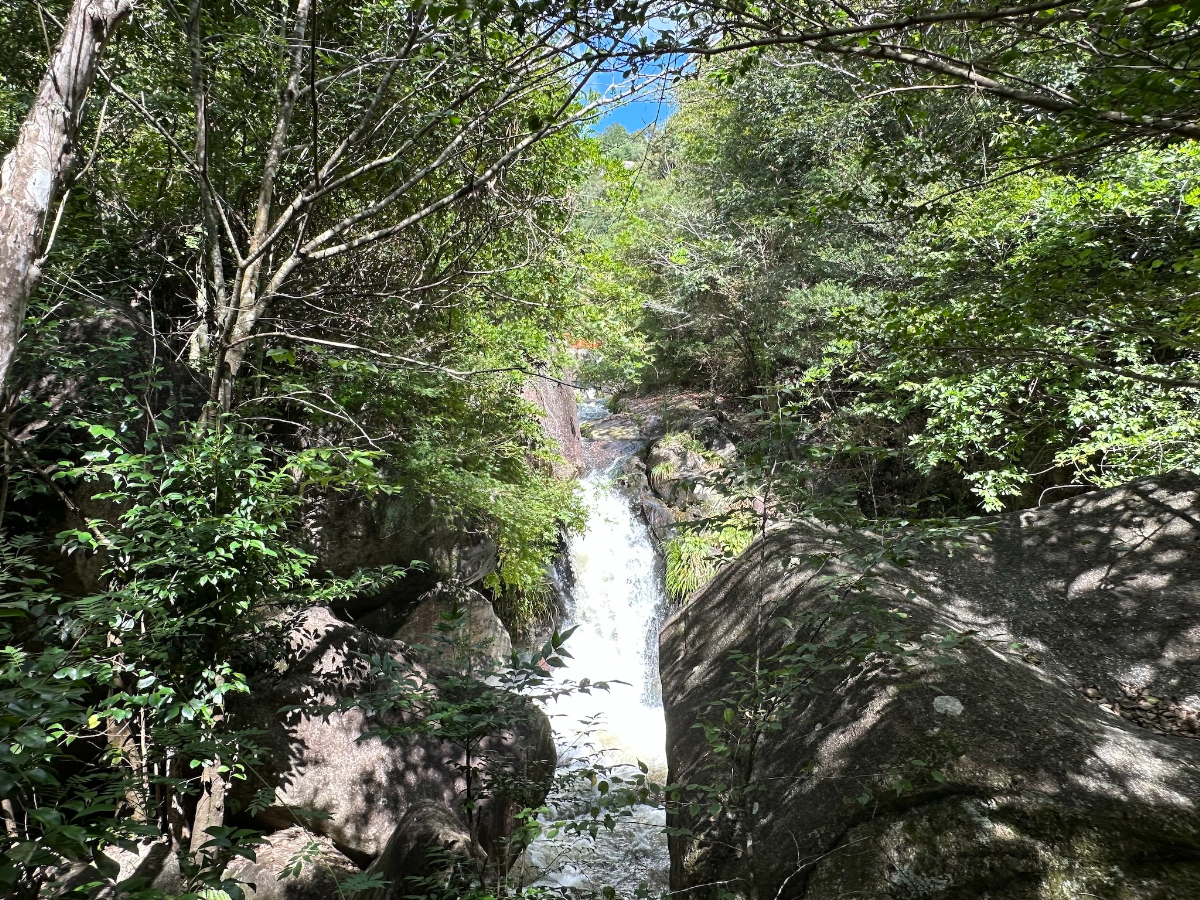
(239, 321)
(210, 808)
(34, 170)
(211, 296)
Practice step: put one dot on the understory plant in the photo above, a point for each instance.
(695, 554)
(114, 729)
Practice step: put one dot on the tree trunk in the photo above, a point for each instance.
(34, 170)
(249, 302)
(210, 808)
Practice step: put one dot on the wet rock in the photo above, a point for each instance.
(635, 484)
(1025, 786)
(678, 472)
(613, 428)
(610, 440)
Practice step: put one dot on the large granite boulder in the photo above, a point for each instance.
(480, 631)
(327, 774)
(986, 764)
(348, 533)
(660, 518)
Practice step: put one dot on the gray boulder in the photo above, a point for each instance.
(635, 482)
(314, 868)
(149, 864)
(974, 765)
(675, 471)
(321, 770)
(348, 533)
(480, 630)
(311, 866)
(429, 847)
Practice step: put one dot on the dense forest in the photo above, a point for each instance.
(285, 286)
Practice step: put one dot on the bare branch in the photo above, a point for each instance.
(419, 363)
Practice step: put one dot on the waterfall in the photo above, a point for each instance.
(615, 602)
(615, 605)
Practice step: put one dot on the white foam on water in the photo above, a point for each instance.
(615, 608)
(615, 605)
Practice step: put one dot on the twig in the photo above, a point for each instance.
(453, 373)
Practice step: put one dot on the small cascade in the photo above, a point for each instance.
(616, 602)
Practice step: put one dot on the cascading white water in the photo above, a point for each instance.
(615, 603)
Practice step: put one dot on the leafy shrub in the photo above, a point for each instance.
(114, 699)
(695, 555)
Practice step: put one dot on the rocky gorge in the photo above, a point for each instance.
(523, 450)
(1005, 708)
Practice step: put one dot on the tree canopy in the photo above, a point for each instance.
(941, 259)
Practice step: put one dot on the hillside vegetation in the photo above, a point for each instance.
(275, 277)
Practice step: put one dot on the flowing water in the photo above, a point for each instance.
(615, 601)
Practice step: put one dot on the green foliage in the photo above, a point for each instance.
(695, 554)
(910, 313)
(396, 370)
(689, 563)
(115, 698)
(532, 605)
(1083, 271)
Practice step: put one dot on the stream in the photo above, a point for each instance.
(615, 600)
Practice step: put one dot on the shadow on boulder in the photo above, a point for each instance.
(323, 769)
(986, 772)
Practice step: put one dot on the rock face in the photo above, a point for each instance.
(679, 474)
(480, 625)
(985, 766)
(361, 789)
(426, 848)
(350, 533)
(672, 449)
(560, 421)
(322, 868)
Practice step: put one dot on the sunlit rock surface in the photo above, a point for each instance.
(993, 774)
(326, 771)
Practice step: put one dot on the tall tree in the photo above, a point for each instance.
(35, 169)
